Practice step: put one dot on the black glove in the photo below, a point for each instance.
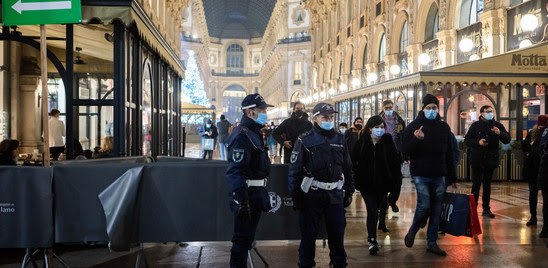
(244, 212)
(347, 199)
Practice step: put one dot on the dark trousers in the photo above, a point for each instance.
(335, 221)
(56, 151)
(207, 154)
(533, 198)
(482, 175)
(287, 154)
(244, 235)
(373, 203)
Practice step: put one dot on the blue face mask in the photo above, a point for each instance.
(389, 112)
(261, 119)
(378, 131)
(430, 114)
(208, 125)
(342, 130)
(327, 125)
(489, 116)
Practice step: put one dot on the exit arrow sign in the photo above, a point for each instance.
(33, 12)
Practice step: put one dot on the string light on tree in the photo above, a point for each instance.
(193, 86)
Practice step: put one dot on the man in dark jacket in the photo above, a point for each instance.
(289, 130)
(352, 135)
(395, 127)
(531, 147)
(483, 140)
(222, 128)
(427, 142)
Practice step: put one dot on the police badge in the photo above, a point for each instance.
(294, 156)
(237, 155)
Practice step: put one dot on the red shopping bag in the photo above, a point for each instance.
(473, 226)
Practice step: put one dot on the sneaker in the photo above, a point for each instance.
(532, 222)
(488, 214)
(382, 226)
(435, 250)
(395, 208)
(373, 246)
(409, 239)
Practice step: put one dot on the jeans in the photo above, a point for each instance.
(372, 204)
(429, 196)
(244, 235)
(223, 147)
(335, 221)
(479, 175)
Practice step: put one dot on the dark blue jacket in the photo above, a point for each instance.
(325, 156)
(247, 160)
(432, 156)
(485, 156)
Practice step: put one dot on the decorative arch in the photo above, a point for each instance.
(377, 42)
(361, 51)
(401, 18)
(421, 19)
(233, 83)
(348, 59)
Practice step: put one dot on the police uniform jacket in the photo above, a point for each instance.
(325, 156)
(247, 160)
(485, 156)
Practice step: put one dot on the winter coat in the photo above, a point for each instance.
(292, 128)
(543, 165)
(532, 156)
(485, 156)
(352, 135)
(223, 127)
(7, 160)
(432, 156)
(376, 167)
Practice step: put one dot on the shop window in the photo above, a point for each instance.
(362, 21)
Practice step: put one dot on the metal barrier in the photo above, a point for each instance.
(109, 160)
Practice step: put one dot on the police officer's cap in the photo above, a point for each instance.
(254, 101)
(323, 108)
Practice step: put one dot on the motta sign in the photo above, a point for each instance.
(532, 60)
(34, 12)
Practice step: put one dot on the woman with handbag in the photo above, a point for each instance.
(376, 164)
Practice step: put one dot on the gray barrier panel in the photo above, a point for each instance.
(109, 160)
(79, 216)
(26, 203)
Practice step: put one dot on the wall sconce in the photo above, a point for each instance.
(424, 59)
(356, 82)
(315, 96)
(529, 23)
(395, 69)
(466, 45)
(323, 95)
(343, 87)
(372, 77)
(331, 91)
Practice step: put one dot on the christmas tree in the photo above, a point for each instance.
(192, 85)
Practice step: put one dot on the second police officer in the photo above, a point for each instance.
(322, 184)
(248, 167)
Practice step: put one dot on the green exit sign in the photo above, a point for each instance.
(34, 12)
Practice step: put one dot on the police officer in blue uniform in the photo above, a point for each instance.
(248, 168)
(322, 183)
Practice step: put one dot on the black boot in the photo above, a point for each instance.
(409, 239)
(436, 250)
(373, 246)
(532, 221)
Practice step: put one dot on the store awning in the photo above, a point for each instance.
(147, 29)
(524, 66)
(194, 108)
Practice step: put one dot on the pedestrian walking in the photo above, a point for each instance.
(208, 132)
(223, 127)
(288, 131)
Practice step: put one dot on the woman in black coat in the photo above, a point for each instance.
(9, 153)
(532, 150)
(376, 164)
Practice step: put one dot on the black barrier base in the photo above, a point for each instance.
(254, 247)
(31, 257)
(141, 254)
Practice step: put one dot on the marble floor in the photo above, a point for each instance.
(506, 242)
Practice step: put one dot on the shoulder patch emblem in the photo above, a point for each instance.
(294, 156)
(237, 155)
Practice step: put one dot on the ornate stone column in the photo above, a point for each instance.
(390, 60)
(29, 125)
(493, 31)
(447, 41)
(413, 52)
